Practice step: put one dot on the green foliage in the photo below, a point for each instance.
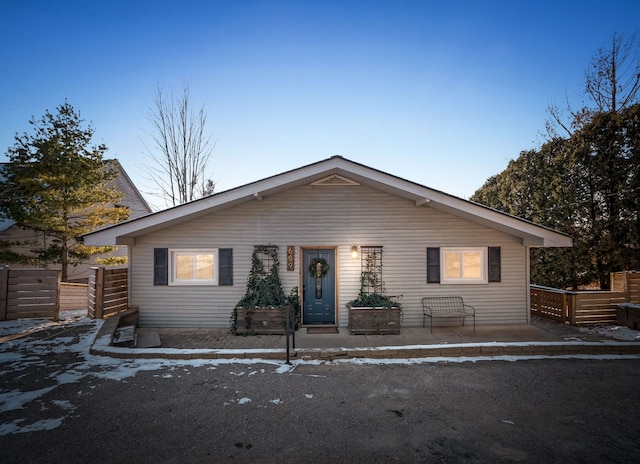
(112, 260)
(264, 288)
(57, 184)
(9, 255)
(318, 267)
(371, 293)
(373, 300)
(587, 186)
(293, 299)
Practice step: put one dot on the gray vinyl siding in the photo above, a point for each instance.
(328, 216)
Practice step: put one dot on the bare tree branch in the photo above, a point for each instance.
(182, 150)
(612, 83)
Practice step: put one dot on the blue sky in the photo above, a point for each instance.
(440, 93)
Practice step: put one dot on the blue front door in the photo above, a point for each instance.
(319, 293)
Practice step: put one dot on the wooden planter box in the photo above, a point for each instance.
(368, 321)
(260, 321)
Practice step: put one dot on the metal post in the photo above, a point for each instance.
(293, 331)
(287, 330)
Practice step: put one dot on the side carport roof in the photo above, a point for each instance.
(531, 234)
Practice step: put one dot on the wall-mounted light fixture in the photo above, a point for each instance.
(354, 251)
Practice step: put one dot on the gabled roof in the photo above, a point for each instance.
(132, 196)
(333, 170)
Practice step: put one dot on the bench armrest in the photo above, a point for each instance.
(426, 309)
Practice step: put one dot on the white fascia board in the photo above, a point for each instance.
(124, 233)
(120, 233)
(531, 234)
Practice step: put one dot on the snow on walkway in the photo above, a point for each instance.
(20, 354)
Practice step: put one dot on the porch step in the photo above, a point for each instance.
(148, 339)
(322, 329)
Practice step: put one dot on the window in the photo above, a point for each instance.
(463, 265)
(194, 267)
(460, 265)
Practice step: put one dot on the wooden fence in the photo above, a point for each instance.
(108, 292)
(629, 282)
(587, 307)
(29, 293)
(73, 296)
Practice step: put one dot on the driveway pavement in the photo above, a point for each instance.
(59, 404)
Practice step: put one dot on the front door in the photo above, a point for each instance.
(319, 290)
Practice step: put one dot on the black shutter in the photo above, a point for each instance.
(160, 266)
(225, 266)
(495, 273)
(433, 265)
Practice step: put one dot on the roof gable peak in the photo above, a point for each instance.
(335, 180)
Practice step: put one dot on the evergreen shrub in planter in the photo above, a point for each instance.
(373, 312)
(262, 310)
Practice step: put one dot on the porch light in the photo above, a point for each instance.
(354, 251)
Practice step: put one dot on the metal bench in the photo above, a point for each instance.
(446, 306)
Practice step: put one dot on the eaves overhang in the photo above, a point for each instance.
(338, 167)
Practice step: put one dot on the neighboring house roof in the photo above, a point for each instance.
(334, 169)
(132, 197)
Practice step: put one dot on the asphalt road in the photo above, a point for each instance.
(538, 411)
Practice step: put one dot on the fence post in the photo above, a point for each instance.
(572, 308)
(4, 289)
(627, 286)
(99, 295)
(91, 290)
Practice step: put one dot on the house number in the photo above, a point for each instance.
(290, 257)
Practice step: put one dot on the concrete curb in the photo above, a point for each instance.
(102, 347)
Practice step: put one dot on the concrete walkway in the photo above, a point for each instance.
(539, 338)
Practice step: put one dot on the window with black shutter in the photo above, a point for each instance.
(193, 266)
(463, 265)
(160, 266)
(225, 266)
(494, 260)
(433, 265)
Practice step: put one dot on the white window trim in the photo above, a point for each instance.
(173, 280)
(484, 265)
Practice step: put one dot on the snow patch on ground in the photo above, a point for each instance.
(619, 332)
(18, 353)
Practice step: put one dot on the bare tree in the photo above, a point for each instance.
(182, 149)
(612, 80)
(612, 83)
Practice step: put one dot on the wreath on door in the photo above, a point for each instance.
(318, 267)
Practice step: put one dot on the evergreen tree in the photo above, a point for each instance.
(587, 186)
(586, 182)
(57, 184)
